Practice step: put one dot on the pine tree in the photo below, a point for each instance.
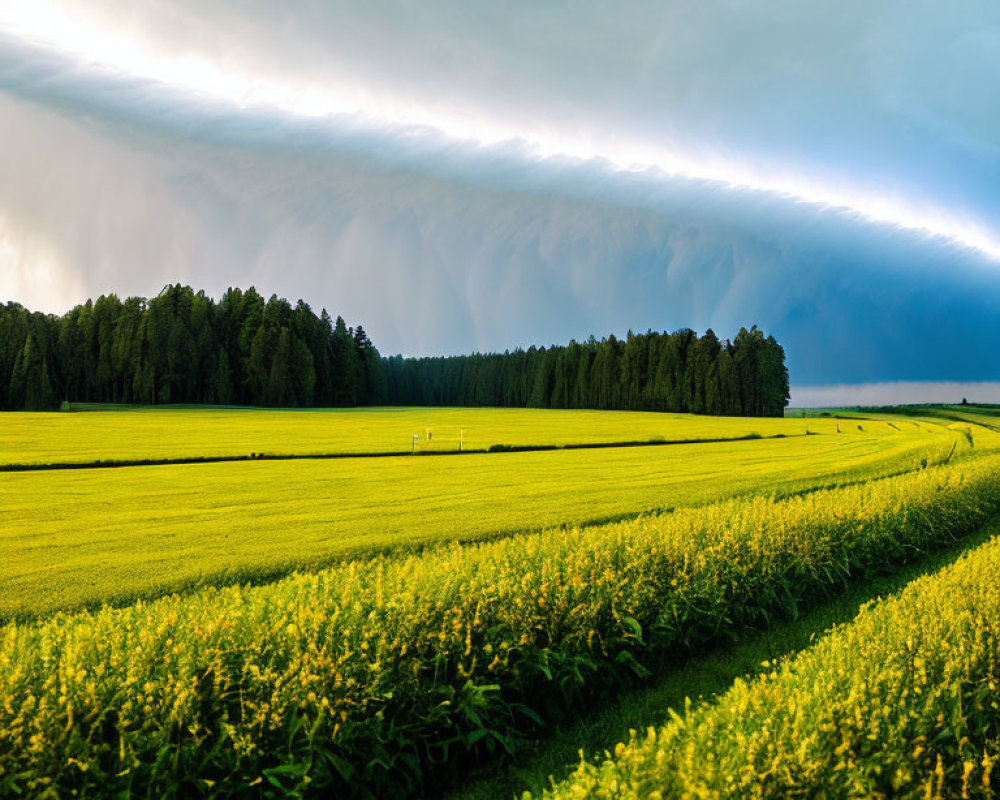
(30, 384)
(346, 368)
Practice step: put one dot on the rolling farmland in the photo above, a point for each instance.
(82, 537)
(369, 624)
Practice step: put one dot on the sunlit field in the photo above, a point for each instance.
(83, 536)
(843, 717)
(523, 401)
(108, 433)
(366, 625)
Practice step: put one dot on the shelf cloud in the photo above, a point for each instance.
(459, 177)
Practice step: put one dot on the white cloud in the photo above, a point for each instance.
(380, 92)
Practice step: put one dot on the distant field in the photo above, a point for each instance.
(69, 538)
(156, 433)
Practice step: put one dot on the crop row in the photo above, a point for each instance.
(369, 678)
(901, 702)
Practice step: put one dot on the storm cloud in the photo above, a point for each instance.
(460, 176)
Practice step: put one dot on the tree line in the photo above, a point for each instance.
(677, 371)
(184, 347)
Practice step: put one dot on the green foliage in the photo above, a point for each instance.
(371, 678)
(183, 347)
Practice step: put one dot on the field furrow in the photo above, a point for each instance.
(144, 433)
(698, 677)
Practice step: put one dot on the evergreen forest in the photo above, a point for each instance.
(183, 347)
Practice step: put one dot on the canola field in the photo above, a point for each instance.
(112, 433)
(446, 612)
(901, 702)
(75, 538)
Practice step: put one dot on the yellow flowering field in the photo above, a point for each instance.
(374, 677)
(147, 433)
(73, 538)
(902, 702)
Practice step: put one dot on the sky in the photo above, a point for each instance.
(464, 176)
